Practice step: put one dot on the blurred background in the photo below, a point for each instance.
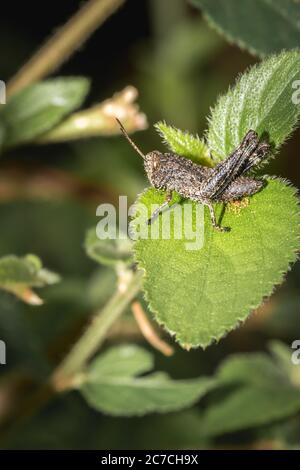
(48, 199)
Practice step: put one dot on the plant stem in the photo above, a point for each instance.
(95, 334)
(63, 43)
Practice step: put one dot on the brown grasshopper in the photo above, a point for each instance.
(223, 183)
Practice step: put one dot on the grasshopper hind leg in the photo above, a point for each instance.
(215, 225)
(240, 188)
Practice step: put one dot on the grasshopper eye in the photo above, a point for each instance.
(155, 162)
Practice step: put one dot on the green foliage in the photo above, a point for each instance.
(184, 144)
(27, 270)
(18, 274)
(255, 369)
(251, 406)
(262, 99)
(40, 107)
(261, 26)
(262, 394)
(108, 251)
(110, 385)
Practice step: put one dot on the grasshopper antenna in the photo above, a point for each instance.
(129, 139)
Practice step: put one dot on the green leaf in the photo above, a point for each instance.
(262, 100)
(108, 252)
(200, 295)
(261, 26)
(125, 361)
(185, 144)
(111, 386)
(256, 406)
(265, 394)
(41, 106)
(256, 369)
(19, 275)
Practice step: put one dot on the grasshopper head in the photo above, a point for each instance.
(153, 167)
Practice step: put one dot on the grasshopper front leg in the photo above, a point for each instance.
(161, 208)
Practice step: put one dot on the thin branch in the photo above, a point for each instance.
(148, 331)
(63, 43)
(94, 336)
